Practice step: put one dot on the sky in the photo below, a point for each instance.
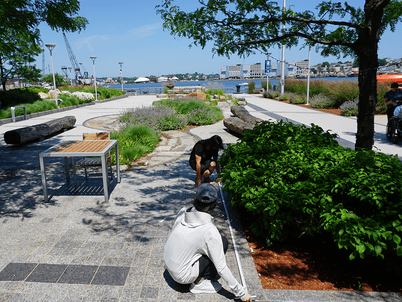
(130, 31)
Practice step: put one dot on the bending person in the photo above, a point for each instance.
(204, 157)
(195, 250)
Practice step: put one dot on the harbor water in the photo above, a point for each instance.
(229, 86)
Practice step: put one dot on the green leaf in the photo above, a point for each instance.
(397, 239)
(378, 250)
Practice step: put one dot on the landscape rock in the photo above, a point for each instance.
(237, 125)
(43, 95)
(244, 115)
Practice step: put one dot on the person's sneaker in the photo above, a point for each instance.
(205, 287)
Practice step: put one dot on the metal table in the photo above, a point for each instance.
(81, 149)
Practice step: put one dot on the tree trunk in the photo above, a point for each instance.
(367, 52)
(30, 133)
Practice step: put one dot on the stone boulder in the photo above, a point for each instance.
(43, 95)
(242, 120)
(237, 125)
(244, 115)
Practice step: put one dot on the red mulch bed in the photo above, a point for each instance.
(310, 264)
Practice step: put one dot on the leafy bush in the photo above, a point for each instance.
(350, 108)
(285, 97)
(170, 122)
(297, 99)
(14, 97)
(264, 85)
(271, 94)
(298, 180)
(135, 141)
(38, 106)
(49, 79)
(320, 101)
(382, 88)
(251, 87)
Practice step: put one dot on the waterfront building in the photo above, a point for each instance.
(241, 71)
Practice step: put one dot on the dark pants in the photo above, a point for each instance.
(204, 165)
(390, 109)
(207, 267)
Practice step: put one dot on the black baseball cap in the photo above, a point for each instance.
(206, 193)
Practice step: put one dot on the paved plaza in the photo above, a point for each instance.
(77, 247)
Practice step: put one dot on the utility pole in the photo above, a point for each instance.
(283, 58)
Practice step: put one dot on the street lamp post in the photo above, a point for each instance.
(51, 47)
(121, 75)
(268, 53)
(96, 92)
(71, 79)
(308, 75)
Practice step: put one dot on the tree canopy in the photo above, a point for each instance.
(244, 26)
(19, 33)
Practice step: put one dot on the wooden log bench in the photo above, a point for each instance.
(40, 131)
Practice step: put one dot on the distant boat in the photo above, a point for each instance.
(390, 78)
(142, 80)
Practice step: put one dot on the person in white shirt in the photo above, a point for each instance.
(195, 250)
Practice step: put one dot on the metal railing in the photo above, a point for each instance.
(159, 90)
(13, 112)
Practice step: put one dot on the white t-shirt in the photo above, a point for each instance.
(193, 235)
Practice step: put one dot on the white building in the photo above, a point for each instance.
(241, 71)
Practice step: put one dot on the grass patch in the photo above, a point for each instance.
(135, 141)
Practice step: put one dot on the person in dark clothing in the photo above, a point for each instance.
(203, 158)
(392, 99)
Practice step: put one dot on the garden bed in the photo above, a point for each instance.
(309, 264)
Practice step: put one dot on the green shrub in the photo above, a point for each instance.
(297, 99)
(264, 85)
(298, 180)
(285, 97)
(271, 94)
(350, 108)
(14, 97)
(204, 116)
(135, 141)
(251, 87)
(38, 106)
(382, 88)
(170, 123)
(344, 91)
(320, 101)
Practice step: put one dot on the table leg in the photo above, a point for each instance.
(117, 162)
(74, 172)
(43, 174)
(105, 177)
(66, 169)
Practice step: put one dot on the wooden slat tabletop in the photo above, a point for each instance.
(80, 146)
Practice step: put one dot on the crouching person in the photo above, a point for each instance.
(195, 250)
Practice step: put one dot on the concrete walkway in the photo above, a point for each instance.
(76, 247)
